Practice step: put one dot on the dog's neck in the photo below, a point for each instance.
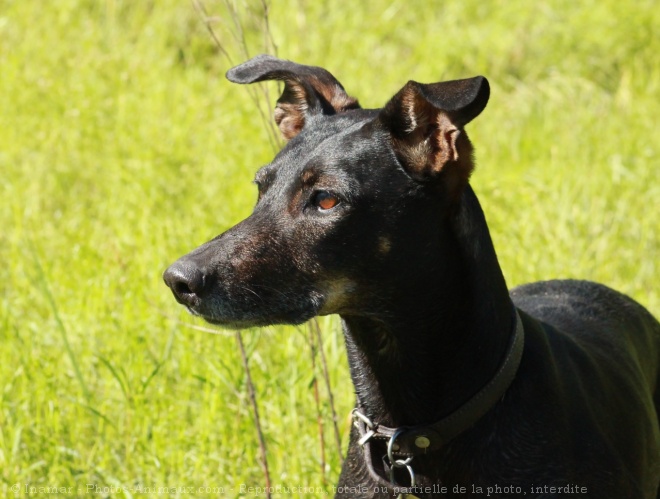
(441, 340)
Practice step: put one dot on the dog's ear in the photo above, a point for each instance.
(426, 125)
(308, 90)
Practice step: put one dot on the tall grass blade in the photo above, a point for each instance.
(331, 398)
(255, 413)
(58, 320)
(315, 387)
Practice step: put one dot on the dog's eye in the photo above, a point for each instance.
(325, 200)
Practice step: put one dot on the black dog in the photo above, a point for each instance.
(463, 390)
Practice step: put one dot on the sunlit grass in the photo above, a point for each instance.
(123, 147)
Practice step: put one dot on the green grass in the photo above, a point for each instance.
(122, 147)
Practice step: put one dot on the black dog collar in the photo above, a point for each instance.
(419, 440)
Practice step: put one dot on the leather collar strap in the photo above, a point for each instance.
(419, 440)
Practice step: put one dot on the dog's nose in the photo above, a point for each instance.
(186, 280)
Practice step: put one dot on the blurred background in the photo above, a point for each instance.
(122, 147)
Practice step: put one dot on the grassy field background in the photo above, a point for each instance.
(122, 147)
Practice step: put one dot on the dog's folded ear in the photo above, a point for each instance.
(308, 90)
(426, 125)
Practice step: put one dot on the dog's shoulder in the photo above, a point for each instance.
(582, 308)
(588, 323)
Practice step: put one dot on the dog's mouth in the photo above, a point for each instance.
(218, 321)
(247, 314)
(192, 311)
(252, 322)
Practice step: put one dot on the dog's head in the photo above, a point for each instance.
(351, 206)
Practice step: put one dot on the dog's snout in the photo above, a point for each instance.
(187, 282)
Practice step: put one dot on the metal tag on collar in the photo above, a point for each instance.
(399, 463)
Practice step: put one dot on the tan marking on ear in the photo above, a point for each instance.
(408, 105)
(458, 171)
(415, 154)
(445, 142)
(335, 95)
(289, 119)
(434, 146)
(290, 111)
